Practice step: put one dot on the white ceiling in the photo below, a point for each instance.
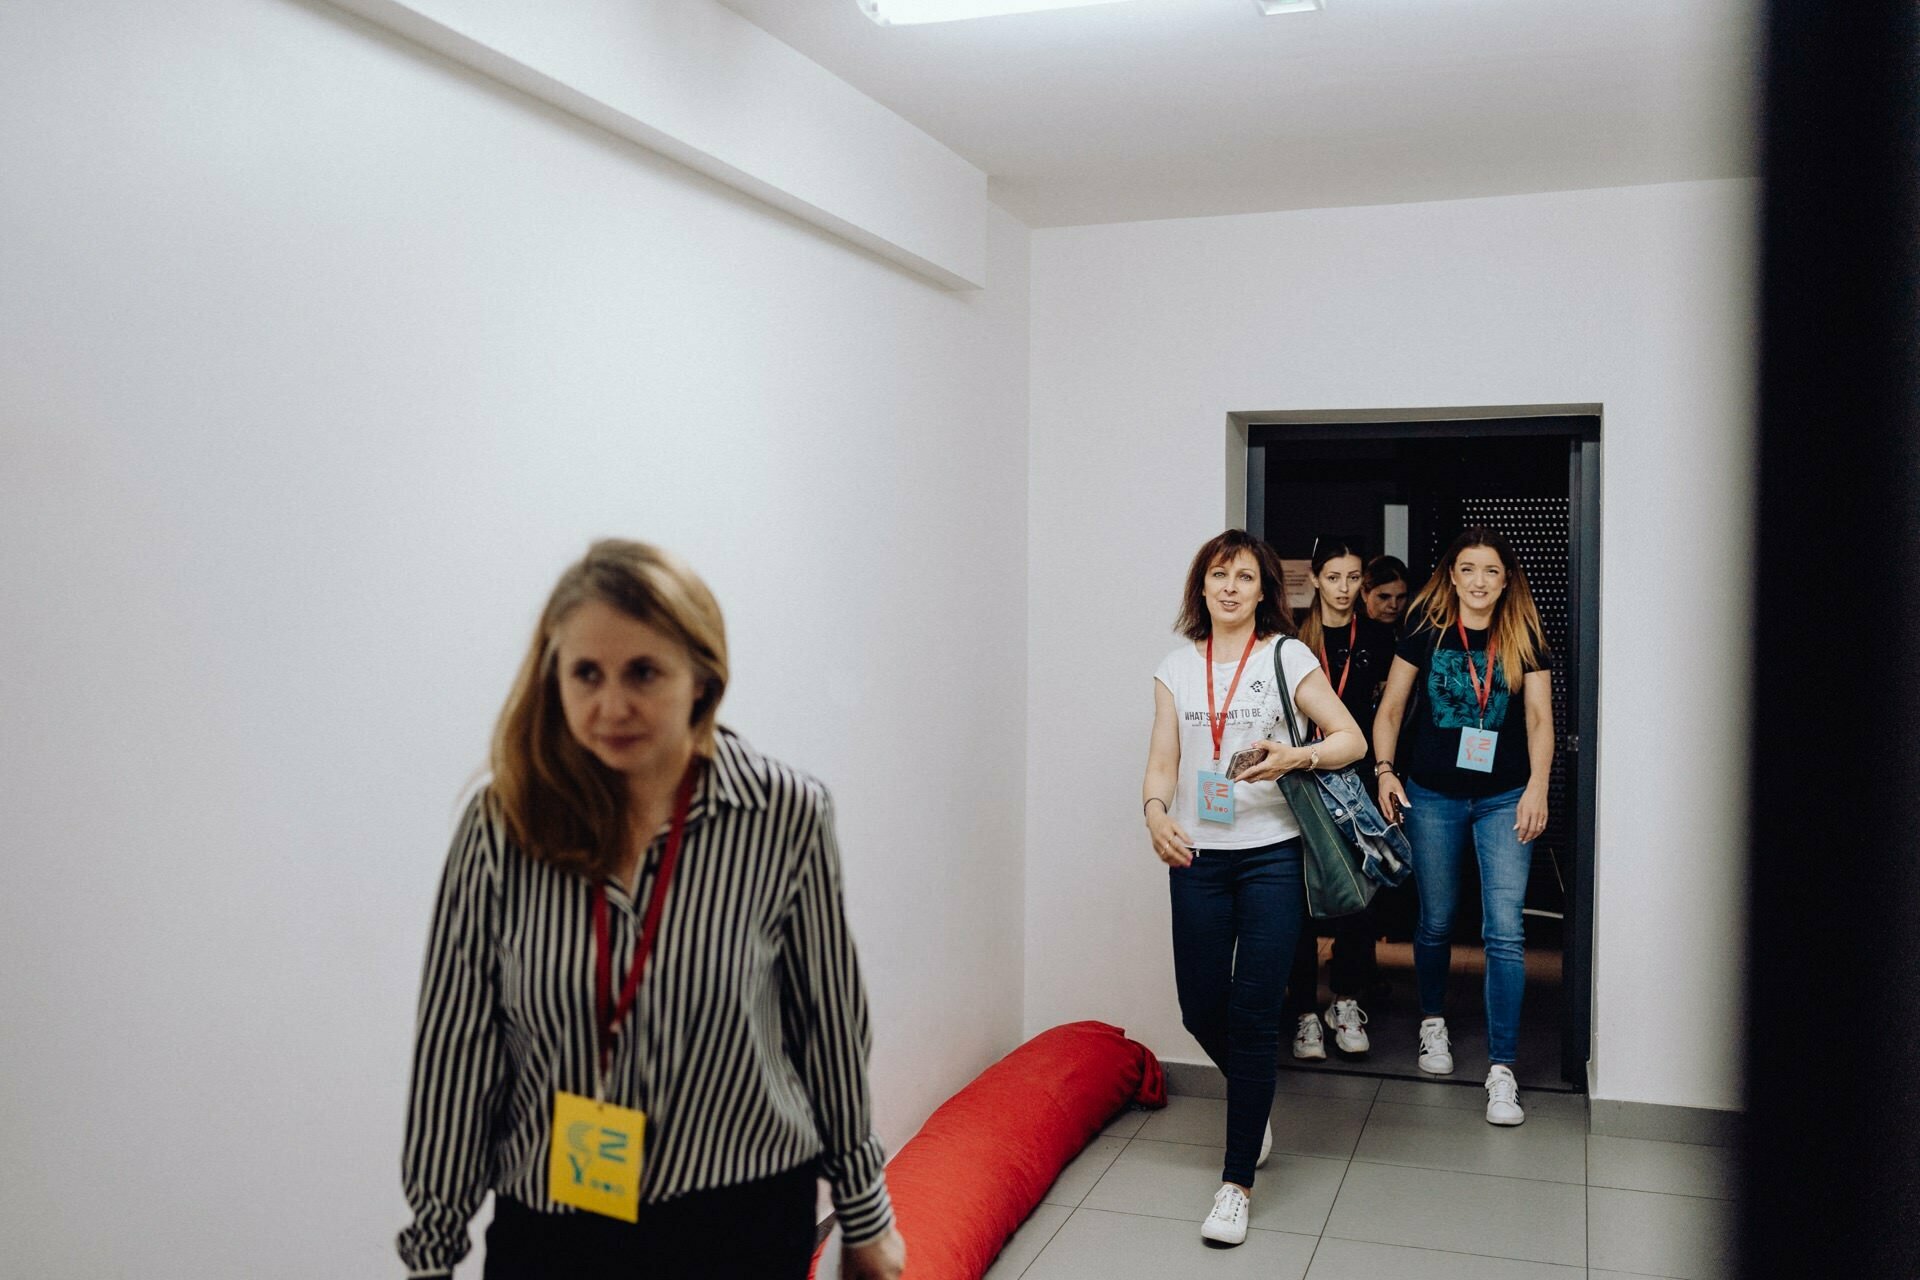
(1183, 108)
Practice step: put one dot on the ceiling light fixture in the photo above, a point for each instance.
(1271, 7)
(899, 13)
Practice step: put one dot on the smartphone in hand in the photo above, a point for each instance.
(1243, 761)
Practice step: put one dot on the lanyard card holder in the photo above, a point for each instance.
(593, 1160)
(1477, 743)
(594, 1151)
(1476, 749)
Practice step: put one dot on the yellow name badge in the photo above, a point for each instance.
(594, 1161)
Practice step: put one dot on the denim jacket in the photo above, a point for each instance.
(1386, 857)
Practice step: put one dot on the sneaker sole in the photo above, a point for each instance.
(1435, 1071)
(1221, 1242)
(1311, 1055)
(1506, 1124)
(1341, 1049)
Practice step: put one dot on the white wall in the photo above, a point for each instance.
(319, 358)
(700, 84)
(1146, 335)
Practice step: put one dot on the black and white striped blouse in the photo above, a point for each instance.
(747, 1043)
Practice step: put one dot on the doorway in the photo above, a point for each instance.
(1405, 483)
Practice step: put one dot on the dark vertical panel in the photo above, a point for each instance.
(1583, 665)
(1833, 1145)
(1257, 491)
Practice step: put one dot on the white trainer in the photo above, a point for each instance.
(1503, 1097)
(1348, 1022)
(1308, 1043)
(1436, 1051)
(1227, 1222)
(1266, 1147)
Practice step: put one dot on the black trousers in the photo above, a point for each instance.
(754, 1231)
(1352, 970)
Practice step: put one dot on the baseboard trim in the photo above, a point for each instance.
(1194, 1079)
(1699, 1126)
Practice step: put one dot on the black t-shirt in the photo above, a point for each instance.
(1372, 652)
(1444, 703)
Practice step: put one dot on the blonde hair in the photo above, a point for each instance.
(1516, 631)
(559, 803)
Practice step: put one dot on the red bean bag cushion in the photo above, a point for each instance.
(980, 1164)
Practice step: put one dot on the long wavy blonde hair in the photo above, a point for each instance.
(1516, 631)
(558, 802)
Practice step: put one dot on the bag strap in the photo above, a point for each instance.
(1286, 694)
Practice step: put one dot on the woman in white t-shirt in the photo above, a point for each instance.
(1235, 882)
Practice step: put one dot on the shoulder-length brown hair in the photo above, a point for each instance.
(1516, 629)
(559, 803)
(1270, 617)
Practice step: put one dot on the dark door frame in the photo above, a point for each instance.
(1579, 425)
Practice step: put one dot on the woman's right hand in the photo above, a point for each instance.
(1170, 843)
(882, 1259)
(1393, 797)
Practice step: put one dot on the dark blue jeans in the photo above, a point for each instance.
(1439, 827)
(1236, 917)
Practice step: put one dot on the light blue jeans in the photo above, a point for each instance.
(1439, 826)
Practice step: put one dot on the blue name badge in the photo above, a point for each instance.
(1216, 797)
(1476, 749)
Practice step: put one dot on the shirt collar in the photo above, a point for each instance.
(733, 775)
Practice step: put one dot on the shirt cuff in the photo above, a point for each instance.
(428, 1256)
(865, 1215)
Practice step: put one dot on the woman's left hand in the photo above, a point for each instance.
(1279, 759)
(881, 1259)
(1530, 819)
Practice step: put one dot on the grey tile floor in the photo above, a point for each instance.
(1392, 1180)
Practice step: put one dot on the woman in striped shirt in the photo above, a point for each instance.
(641, 1024)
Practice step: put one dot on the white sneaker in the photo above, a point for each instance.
(1227, 1223)
(1307, 1041)
(1347, 1020)
(1266, 1147)
(1436, 1051)
(1503, 1097)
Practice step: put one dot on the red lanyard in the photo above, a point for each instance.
(1473, 673)
(1353, 638)
(1217, 722)
(611, 1014)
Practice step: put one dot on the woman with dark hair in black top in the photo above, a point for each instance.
(1355, 653)
(1384, 590)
